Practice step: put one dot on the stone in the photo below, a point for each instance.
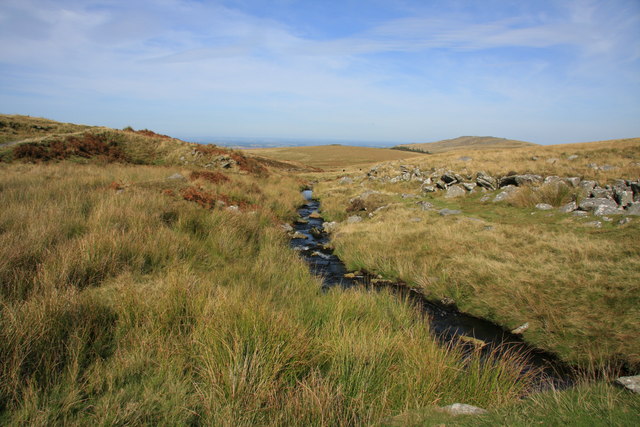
(298, 235)
(592, 203)
(465, 158)
(346, 180)
(630, 383)
(600, 193)
(572, 157)
(588, 185)
(635, 187)
(552, 179)
(504, 194)
(485, 198)
(408, 196)
(519, 180)
(607, 210)
(286, 227)
(428, 189)
(520, 329)
(544, 206)
(568, 208)
(176, 176)
(633, 209)
(425, 206)
(579, 213)
(625, 220)
(486, 181)
(469, 186)
(315, 215)
(329, 227)
(594, 224)
(455, 191)
(607, 168)
(463, 409)
(354, 219)
(441, 185)
(446, 212)
(449, 178)
(623, 197)
(573, 181)
(320, 255)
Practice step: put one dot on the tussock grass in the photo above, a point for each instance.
(126, 304)
(577, 287)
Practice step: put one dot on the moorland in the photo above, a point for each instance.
(148, 280)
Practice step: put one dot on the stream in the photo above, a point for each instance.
(447, 324)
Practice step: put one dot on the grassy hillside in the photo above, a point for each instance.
(14, 128)
(333, 157)
(464, 143)
(146, 281)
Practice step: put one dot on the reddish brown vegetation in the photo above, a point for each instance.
(88, 145)
(147, 132)
(214, 177)
(116, 186)
(168, 192)
(246, 164)
(209, 200)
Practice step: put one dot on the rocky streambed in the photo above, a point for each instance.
(449, 325)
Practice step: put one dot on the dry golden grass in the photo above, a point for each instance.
(578, 287)
(466, 143)
(333, 157)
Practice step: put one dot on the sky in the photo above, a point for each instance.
(396, 71)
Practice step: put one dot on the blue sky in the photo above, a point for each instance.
(402, 71)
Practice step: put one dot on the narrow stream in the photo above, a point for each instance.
(446, 322)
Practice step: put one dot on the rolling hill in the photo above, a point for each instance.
(464, 142)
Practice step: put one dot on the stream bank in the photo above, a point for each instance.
(447, 324)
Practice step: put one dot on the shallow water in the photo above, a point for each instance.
(446, 322)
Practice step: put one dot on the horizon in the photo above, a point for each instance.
(549, 72)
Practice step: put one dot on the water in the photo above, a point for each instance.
(446, 322)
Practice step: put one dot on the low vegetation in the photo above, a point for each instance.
(464, 143)
(166, 293)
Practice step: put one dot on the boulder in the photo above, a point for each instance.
(486, 181)
(600, 193)
(441, 185)
(449, 178)
(429, 188)
(588, 185)
(544, 206)
(623, 197)
(592, 203)
(552, 179)
(594, 224)
(504, 194)
(607, 210)
(446, 212)
(425, 206)
(329, 227)
(298, 235)
(286, 227)
(455, 191)
(463, 409)
(572, 157)
(568, 208)
(630, 383)
(633, 209)
(519, 180)
(469, 186)
(573, 181)
(354, 219)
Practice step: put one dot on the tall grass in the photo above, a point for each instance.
(126, 304)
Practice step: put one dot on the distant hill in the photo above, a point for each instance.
(464, 142)
(333, 156)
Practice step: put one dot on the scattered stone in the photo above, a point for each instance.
(534, 158)
(176, 176)
(455, 191)
(302, 221)
(428, 189)
(233, 208)
(568, 208)
(504, 194)
(346, 180)
(486, 181)
(485, 198)
(606, 218)
(441, 185)
(607, 210)
(630, 383)
(552, 179)
(580, 213)
(449, 178)
(408, 196)
(446, 212)
(329, 227)
(625, 220)
(320, 255)
(544, 206)
(623, 197)
(315, 215)
(354, 219)
(573, 181)
(594, 224)
(633, 209)
(607, 168)
(298, 235)
(572, 157)
(469, 186)
(601, 193)
(520, 329)
(286, 227)
(520, 180)
(593, 203)
(588, 185)
(465, 158)
(463, 409)
(315, 232)
(447, 301)
(425, 206)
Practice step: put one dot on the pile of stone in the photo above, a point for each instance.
(622, 197)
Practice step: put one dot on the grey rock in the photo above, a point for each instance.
(520, 329)
(573, 181)
(635, 187)
(572, 157)
(449, 178)
(594, 224)
(469, 186)
(607, 168)
(346, 180)
(486, 181)
(425, 206)
(519, 180)
(568, 208)
(441, 185)
(176, 176)
(633, 209)
(579, 213)
(233, 208)
(623, 197)
(298, 235)
(286, 227)
(465, 158)
(485, 198)
(353, 219)
(408, 196)
(534, 158)
(428, 188)
(455, 191)
(607, 210)
(630, 383)
(446, 212)
(544, 206)
(599, 193)
(625, 220)
(504, 194)
(588, 185)
(592, 203)
(463, 409)
(592, 166)
(552, 179)
(329, 227)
